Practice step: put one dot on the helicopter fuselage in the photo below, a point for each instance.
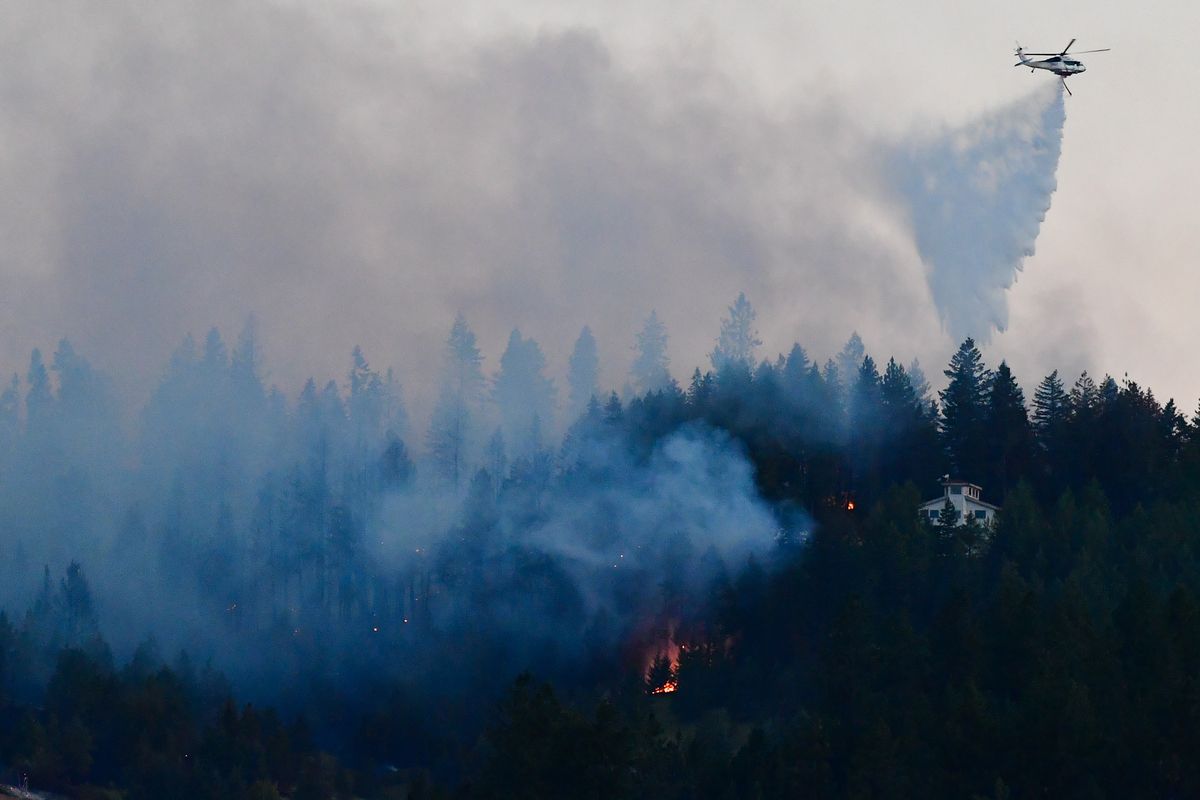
(1062, 67)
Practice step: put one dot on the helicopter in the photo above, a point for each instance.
(1059, 63)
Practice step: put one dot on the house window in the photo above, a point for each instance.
(933, 515)
(980, 514)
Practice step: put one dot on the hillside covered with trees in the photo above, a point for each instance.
(714, 589)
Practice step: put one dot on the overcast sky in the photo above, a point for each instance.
(356, 173)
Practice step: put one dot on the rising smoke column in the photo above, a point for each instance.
(976, 197)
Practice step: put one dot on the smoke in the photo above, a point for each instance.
(179, 165)
(187, 165)
(300, 544)
(976, 197)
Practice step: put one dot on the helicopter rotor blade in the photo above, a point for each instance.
(1068, 47)
(1101, 50)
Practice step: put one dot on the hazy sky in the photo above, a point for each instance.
(356, 173)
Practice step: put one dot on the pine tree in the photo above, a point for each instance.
(897, 395)
(1051, 409)
(850, 359)
(523, 394)
(582, 374)
(365, 400)
(649, 371)
(39, 396)
(911, 450)
(1010, 438)
(395, 415)
(920, 385)
(963, 404)
(866, 426)
(75, 605)
(1086, 405)
(699, 391)
(613, 413)
(738, 339)
(246, 362)
(451, 428)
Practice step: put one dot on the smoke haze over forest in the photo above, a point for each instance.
(363, 365)
(189, 165)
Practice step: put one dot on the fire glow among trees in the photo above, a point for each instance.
(687, 545)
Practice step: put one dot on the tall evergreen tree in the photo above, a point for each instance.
(39, 396)
(365, 401)
(738, 338)
(246, 362)
(582, 374)
(649, 371)
(963, 404)
(795, 372)
(866, 426)
(451, 428)
(1010, 438)
(849, 359)
(524, 395)
(910, 433)
(1051, 410)
(920, 384)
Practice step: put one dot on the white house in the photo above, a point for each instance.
(964, 497)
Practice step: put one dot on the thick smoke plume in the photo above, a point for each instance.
(977, 197)
(300, 542)
(185, 165)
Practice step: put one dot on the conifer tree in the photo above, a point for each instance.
(738, 338)
(613, 413)
(700, 390)
(850, 359)
(39, 396)
(246, 362)
(523, 394)
(365, 400)
(920, 384)
(649, 371)
(451, 428)
(582, 371)
(963, 412)
(795, 373)
(866, 425)
(1010, 438)
(897, 395)
(1051, 408)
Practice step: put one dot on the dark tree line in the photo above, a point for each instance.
(866, 653)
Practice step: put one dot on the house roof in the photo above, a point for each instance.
(938, 502)
(962, 483)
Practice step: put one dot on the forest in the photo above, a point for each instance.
(719, 588)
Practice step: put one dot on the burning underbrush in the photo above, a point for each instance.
(680, 652)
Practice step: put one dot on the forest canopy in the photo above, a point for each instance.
(719, 588)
